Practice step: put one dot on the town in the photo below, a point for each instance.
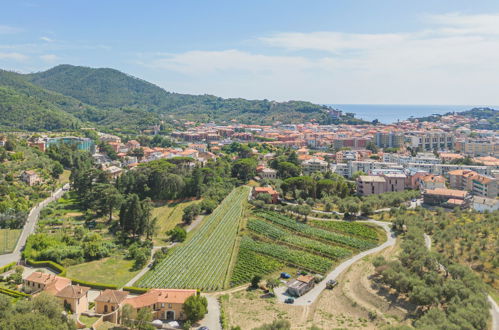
(309, 196)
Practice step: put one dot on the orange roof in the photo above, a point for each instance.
(112, 296)
(73, 291)
(447, 192)
(268, 190)
(433, 178)
(154, 296)
(305, 278)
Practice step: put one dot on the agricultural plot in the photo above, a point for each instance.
(313, 232)
(250, 263)
(352, 228)
(203, 261)
(8, 240)
(272, 231)
(294, 257)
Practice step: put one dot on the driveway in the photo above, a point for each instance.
(30, 226)
(310, 297)
(212, 318)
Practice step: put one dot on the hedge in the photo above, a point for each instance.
(13, 293)
(133, 289)
(7, 267)
(60, 270)
(98, 286)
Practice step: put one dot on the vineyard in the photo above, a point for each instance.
(275, 240)
(202, 262)
(313, 232)
(274, 232)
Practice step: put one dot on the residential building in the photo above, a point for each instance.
(267, 173)
(30, 177)
(483, 204)
(314, 165)
(389, 139)
(370, 185)
(441, 196)
(166, 304)
(266, 190)
(394, 182)
(301, 285)
(484, 186)
(482, 147)
(38, 281)
(431, 181)
(432, 140)
(74, 297)
(109, 301)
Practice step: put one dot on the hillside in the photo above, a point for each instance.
(491, 117)
(67, 97)
(111, 89)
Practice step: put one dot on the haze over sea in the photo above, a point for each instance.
(389, 113)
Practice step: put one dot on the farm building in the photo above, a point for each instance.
(300, 285)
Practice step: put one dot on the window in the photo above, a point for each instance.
(162, 305)
(169, 305)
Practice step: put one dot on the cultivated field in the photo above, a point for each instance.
(275, 241)
(8, 240)
(203, 261)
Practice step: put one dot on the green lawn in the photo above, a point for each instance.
(8, 239)
(88, 320)
(168, 217)
(113, 270)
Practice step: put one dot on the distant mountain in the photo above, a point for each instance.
(29, 107)
(111, 89)
(68, 96)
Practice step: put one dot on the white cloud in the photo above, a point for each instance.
(49, 57)
(5, 29)
(13, 56)
(452, 59)
(47, 39)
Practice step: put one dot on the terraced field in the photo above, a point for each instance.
(203, 261)
(275, 240)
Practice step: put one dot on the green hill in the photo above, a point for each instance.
(111, 89)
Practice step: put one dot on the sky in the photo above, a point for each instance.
(328, 52)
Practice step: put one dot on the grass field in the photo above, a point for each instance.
(8, 240)
(113, 270)
(168, 217)
(203, 261)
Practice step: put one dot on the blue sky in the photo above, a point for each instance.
(383, 52)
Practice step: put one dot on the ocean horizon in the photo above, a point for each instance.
(390, 113)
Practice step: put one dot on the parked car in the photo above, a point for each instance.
(289, 301)
(203, 328)
(331, 284)
(285, 275)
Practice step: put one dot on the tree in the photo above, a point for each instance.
(127, 315)
(288, 170)
(244, 169)
(190, 212)
(108, 198)
(57, 170)
(9, 145)
(144, 316)
(208, 205)
(177, 234)
(195, 308)
(273, 283)
(130, 214)
(255, 281)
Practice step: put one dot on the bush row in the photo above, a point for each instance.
(60, 270)
(7, 267)
(13, 293)
(133, 289)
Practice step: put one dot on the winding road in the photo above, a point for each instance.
(29, 226)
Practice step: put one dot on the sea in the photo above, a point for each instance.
(390, 113)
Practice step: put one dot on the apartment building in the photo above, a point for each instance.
(484, 147)
(314, 165)
(389, 139)
(484, 186)
(429, 141)
(379, 184)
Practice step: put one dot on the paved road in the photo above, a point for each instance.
(30, 226)
(494, 308)
(310, 297)
(212, 318)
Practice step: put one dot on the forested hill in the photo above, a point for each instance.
(69, 96)
(110, 89)
(489, 118)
